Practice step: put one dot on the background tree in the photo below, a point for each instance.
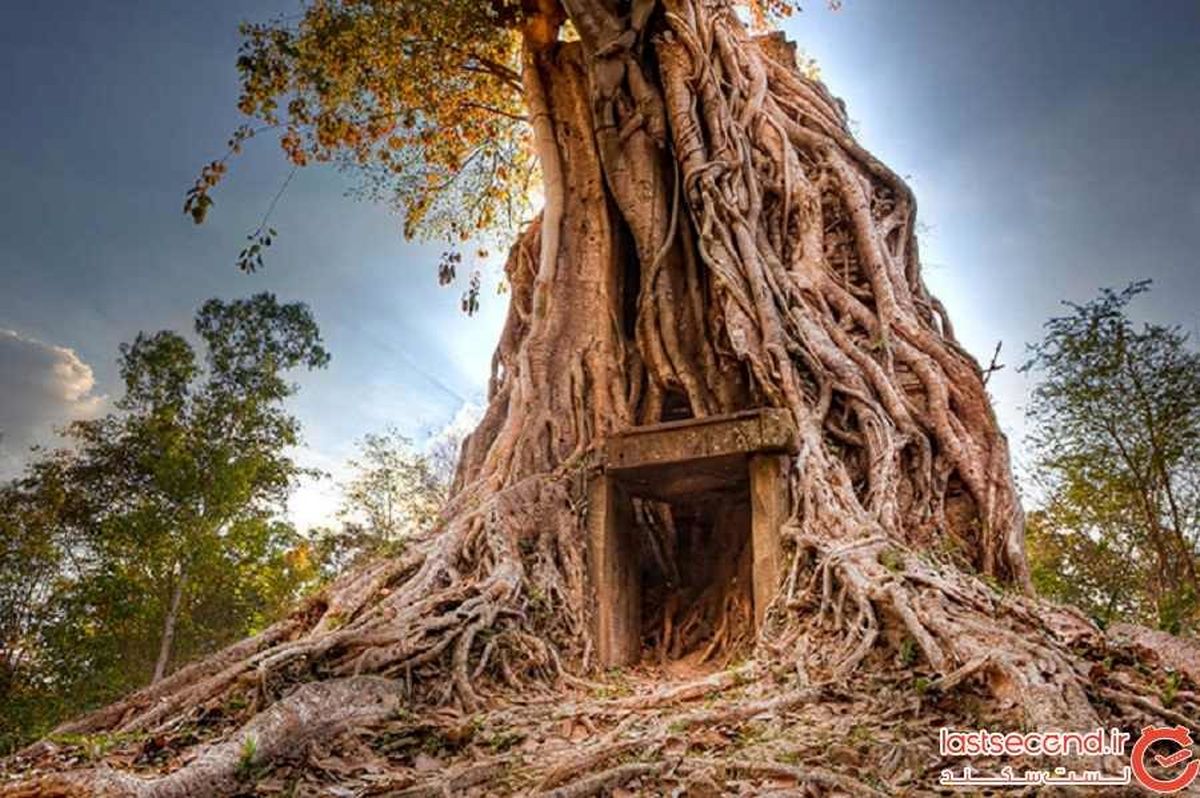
(712, 239)
(1116, 431)
(36, 559)
(156, 538)
(394, 492)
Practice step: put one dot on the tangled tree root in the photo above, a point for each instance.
(313, 713)
(958, 626)
(755, 728)
(813, 710)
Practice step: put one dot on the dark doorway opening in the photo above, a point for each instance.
(696, 575)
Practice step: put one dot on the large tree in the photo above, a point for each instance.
(712, 239)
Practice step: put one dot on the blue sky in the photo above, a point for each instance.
(1053, 148)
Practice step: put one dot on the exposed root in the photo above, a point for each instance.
(588, 762)
(757, 730)
(456, 783)
(959, 627)
(313, 713)
(604, 780)
(709, 685)
(817, 776)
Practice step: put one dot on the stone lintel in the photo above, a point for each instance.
(749, 432)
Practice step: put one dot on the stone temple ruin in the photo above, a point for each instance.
(725, 481)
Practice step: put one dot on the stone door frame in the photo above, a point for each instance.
(678, 459)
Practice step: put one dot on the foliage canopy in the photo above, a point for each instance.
(1116, 432)
(423, 100)
(157, 537)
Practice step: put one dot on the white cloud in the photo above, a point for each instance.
(42, 387)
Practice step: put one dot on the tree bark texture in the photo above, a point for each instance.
(167, 642)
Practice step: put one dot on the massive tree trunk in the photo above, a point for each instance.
(713, 240)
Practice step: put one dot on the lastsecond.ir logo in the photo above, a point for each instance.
(1182, 738)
